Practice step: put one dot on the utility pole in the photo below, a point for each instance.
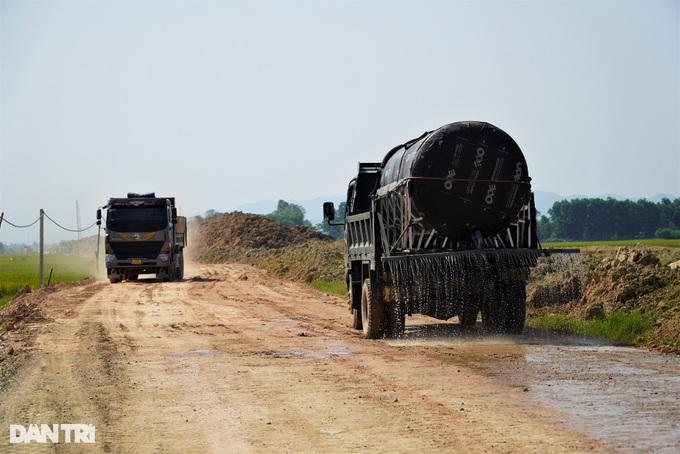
(78, 220)
(42, 248)
(78, 245)
(2, 216)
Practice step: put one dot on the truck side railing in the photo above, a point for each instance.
(401, 231)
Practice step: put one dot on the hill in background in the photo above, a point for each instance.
(297, 253)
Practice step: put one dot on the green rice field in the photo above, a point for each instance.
(17, 270)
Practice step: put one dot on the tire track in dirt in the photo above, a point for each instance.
(53, 381)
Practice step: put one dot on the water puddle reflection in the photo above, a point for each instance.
(626, 397)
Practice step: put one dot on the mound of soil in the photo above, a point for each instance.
(25, 309)
(249, 231)
(299, 253)
(624, 279)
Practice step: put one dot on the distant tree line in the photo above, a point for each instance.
(285, 213)
(292, 214)
(289, 214)
(610, 219)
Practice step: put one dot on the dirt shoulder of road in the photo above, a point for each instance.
(21, 317)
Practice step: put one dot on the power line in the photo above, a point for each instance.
(21, 226)
(67, 229)
(42, 238)
(4, 219)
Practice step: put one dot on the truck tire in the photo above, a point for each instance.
(355, 296)
(396, 319)
(372, 312)
(179, 273)
(356, 319)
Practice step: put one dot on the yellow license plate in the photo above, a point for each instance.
(136, 262)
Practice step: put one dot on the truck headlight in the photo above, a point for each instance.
(163, 258)
(110, 258)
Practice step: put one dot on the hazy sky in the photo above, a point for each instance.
(222, 103)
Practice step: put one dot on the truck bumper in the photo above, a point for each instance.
(123, 268)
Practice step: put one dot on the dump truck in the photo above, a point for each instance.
(444, 226)
(143, 235)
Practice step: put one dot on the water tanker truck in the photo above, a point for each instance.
(144, 235)
(444, 226)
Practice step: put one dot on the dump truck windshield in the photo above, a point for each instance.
(137, 219)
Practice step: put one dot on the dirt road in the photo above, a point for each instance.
(233, 360)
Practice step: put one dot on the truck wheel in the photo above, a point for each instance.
(372, 311)
(396, 319)
(113, 280)
(355, 295)
(179, 274)
(356, 319)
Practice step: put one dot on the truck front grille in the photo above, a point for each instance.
(125, 250)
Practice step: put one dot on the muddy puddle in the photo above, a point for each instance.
(627, 398)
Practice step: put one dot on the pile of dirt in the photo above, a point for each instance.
(24, 308)
(298, 253)
(249, 231)
(623, 279)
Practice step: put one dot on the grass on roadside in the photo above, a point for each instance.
(17, 270)
(337, 288)
(626, 327)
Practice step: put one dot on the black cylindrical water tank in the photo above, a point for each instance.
(463, 177)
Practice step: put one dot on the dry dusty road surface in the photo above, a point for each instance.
(232, 360)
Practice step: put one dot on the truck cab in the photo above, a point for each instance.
(143, 235)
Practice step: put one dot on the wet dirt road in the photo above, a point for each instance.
(232, 360)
